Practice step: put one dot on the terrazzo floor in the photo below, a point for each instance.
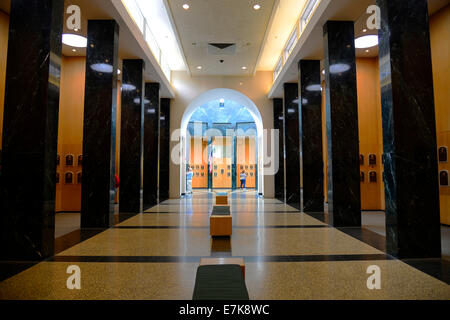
(289, 255)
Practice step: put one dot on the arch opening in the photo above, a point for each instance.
(222, 123)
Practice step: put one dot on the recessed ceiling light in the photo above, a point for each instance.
(256, 7)
(74, 40)
(366, 42)
(186, 6)
(74, 50)
(367, 50)
(364, 30)
(244, 68)
(199, 68)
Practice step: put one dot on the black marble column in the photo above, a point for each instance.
(30, 130)
(409, 131)
(292, 141)
(311, 153)
(278, 124)
(131, 136)
(99, 128)
(164, 149)
(151, 139)
(344, 194)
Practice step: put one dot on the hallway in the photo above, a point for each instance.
(288, 255)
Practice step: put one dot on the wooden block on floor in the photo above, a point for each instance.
(221, 199)
(220, 226)
(220, 261)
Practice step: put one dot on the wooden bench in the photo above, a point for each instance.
(221, 222)
(222, 198)
(220, 282)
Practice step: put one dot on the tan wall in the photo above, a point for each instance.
(70, 130)
(188, 88)
(440, 36)
(4, 32)
(370, 132)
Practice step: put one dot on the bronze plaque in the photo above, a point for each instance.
(443, 178)
(373, 177)
(69, 160)
(443, 154)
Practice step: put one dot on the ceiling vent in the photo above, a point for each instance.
(221, 48)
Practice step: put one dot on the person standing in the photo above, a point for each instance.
(243, 177)
(189, 177)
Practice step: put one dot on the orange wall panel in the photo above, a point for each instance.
(4, 33)
(440, 40)
(70, 130)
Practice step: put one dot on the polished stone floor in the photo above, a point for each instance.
(288, 255)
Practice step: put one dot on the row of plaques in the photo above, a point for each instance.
(372, 160)
(69, 160)
(373, 177)
(69, 177)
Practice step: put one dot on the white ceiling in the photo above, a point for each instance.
(312, 46)
(221, 21)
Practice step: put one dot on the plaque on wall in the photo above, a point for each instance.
(57, 177)
(246, 167)
(443, 154)
(79, 177)
(69, 160)
(58, 160)
(222, 171)
(361, 160)
(203, 174)
(251, 167)
(197, 174)
(203, 167)
(242, 167)
(372, 160)
(251, 174)
(373, 177)
(80, 160)
(68, 178)
(443, 178)
(362, 177)
(197, 167)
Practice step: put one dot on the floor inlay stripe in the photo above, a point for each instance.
(193, 259)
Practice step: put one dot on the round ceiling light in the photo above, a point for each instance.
(74, 40)
(244, 68)
(256, 7)
(366, 42)
(186, 6)
(199, 68)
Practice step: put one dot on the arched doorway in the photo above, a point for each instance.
(217, 136)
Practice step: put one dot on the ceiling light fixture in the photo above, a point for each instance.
(74, 40)
(366, 42)
(74, 50)
(256, 7)
(118, 71)
(186, 6)
(364, 30)
(244, 68)
(199, 68)
(367, 50)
